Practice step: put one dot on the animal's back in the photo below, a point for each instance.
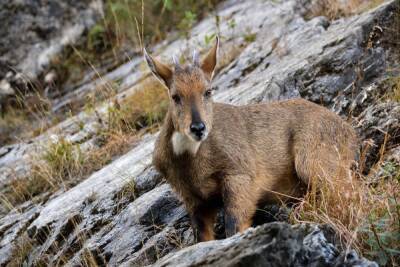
(283, 141)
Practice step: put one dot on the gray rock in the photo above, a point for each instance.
(47, 28)
(6, 92)
(5, 89)
(274, 244)
(375, 124)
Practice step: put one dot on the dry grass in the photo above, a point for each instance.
(149, 105)
(128, 191)
(21, 251)
(367, 219)
(88, 259)
(11, 122)
(19, 190)
(60, 162)
(339, 204)
(63, 164)
(334, 9)
(379, 235)
(24, 246)
(146, 108)
(394, 94)
(16, 121)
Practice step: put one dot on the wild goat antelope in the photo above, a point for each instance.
(237, 157)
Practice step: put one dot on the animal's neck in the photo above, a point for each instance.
(179, 143)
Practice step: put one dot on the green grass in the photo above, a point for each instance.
(251, 37)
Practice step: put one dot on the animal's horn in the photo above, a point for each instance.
(196, 59)
(176, 63)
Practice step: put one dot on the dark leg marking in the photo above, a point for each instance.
(231, 224)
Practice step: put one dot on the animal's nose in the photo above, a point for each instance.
(197, 128)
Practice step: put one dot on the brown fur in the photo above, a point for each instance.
(253, 154)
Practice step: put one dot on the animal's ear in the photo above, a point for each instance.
(159, 69)
(210, 61)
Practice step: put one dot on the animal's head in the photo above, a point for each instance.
(189, 89)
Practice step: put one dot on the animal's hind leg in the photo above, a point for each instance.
(325, 165)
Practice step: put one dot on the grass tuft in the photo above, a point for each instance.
(394, 85)
(250, 37)
(63, 159)
(335, 9)
(21, 251)
(16, 122)
(146, 108)
(367, 219)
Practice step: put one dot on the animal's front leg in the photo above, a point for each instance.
(240, 202)
(203, 219)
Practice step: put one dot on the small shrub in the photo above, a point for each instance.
(209, 38)
(63, 158)
(232, 24)
(251, 37)
(96, 40)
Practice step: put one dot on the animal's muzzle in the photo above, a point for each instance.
(198, 129)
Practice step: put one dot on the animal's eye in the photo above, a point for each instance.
(176, 99)
(207, 93)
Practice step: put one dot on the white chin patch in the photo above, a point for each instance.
(182, 143)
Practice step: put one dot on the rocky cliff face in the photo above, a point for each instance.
(33, 32)
(341, 64)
